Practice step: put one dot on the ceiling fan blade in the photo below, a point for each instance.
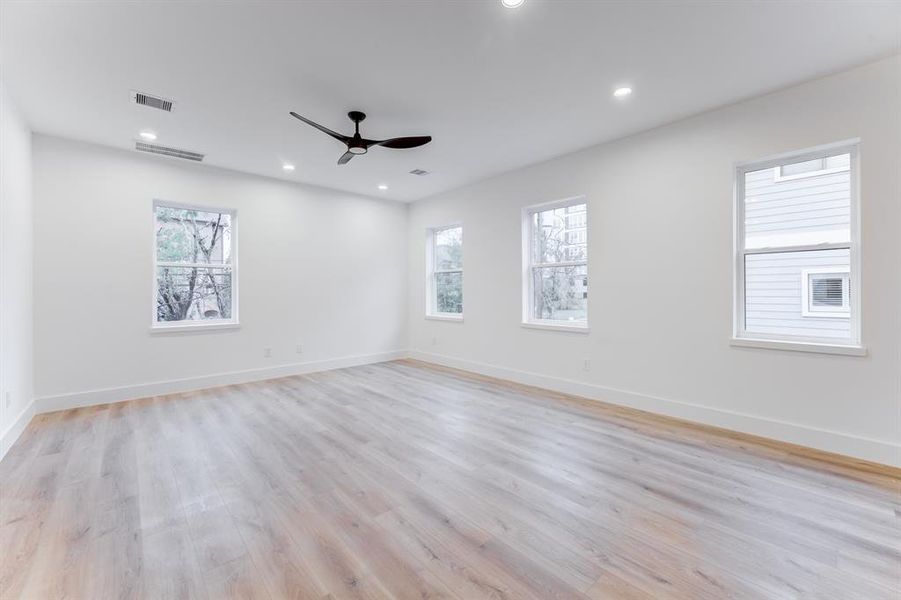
(345, 158)
(404, 142)
(337, 136)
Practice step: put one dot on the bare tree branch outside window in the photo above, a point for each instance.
(559, 264)
(448, 270)
(194, 264)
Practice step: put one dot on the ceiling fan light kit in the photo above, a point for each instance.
(356, 144)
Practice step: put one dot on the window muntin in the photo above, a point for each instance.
(445, 258)
(797, 235)
(556, 270)
(194, 266)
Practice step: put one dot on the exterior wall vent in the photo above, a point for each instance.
(151, 101)
(419, 172)
(167, 151)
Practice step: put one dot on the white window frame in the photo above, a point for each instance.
(528, 267)
(780, 177)
(831, 312)
(740, 336)
(431, 302)
(206, 324)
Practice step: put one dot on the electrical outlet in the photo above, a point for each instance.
(586, 366)
(299, 348)
(267, 352)
(434, 341)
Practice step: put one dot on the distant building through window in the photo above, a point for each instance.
(556, 264)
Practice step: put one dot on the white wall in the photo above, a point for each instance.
(660, 218)
(16, 374)
(317, 267)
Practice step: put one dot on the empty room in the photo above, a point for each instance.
(472, 300)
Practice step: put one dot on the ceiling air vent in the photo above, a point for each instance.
(419, 172)
(167, 151)
(151, 101)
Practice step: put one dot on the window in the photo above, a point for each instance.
(825, 293)
(445, 277)
(797, 279)
(194, 270)
(555, 260)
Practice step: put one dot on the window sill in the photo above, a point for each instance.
(555, 326)
(454, 318)
(816, 347)
(195, 327)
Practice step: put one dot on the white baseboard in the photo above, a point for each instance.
(877, 451)
(15, 429)
(158, 388)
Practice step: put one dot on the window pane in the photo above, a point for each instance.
(449, 249)
(774, 298)
(449, 292)
(803, 167)
(193, 294)
(561, 293)
(560, 235)
(192, 236)
(807, 210)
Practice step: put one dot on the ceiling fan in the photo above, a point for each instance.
(360, 145)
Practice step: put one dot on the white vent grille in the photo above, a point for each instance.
(827, 291)
(167, 151)
(151, 101)
(419, 172)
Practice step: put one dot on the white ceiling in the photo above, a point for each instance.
(496, 88)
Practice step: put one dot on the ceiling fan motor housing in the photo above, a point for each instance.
(355, 145)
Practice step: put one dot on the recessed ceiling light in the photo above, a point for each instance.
(383, 187)
(287, 167)
(148, 135)
(512, 3)
(622, 92)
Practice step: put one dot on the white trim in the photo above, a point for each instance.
(739, 251)
(445, 317)
(817, 347)
(774, 160)
(880, 451)
(234, 321)
(207, 325)
(174, 386)
(16, 428)
(187, 265)
(561, 264)
(799, 248)
(556, 326)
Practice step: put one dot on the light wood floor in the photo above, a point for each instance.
(402, 481)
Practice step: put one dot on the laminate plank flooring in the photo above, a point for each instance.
(401, 480)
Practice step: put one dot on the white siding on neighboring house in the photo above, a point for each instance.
(794, 210)
(773, 293)
(798, 209)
